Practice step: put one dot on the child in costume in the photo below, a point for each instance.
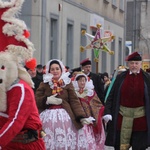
(20, 125)
(94, 110)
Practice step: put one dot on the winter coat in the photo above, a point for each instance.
(21, 114)
(92, 106)
(70, 102)
(113, 103)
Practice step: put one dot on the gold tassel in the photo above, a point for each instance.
(124, 147)
(42, 133)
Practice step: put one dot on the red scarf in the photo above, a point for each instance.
(81, 90)
(57, 86)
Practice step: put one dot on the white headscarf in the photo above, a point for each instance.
(88, 89)
(47, 77)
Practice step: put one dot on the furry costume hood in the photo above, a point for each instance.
(15, 48)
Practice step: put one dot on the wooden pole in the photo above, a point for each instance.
(96, 67)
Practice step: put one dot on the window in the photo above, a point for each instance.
(121, 5)
(113, 56)
(83, 43)
(120, 52)
(114, 4)
(69, 56)
(104, 61)
(53, 36)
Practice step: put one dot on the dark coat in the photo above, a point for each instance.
(70, 102)
(37, 80)
(113, 103)
(98, 85)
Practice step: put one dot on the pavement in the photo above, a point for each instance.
(111, 148)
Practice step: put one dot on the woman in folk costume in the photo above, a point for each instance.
(20, 125)
(93, 109)
(61, 112)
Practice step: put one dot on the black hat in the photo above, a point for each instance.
(76, 69)
(135, 56)
(105, 74)
(39, 66)
(67, 67)
(85, 62)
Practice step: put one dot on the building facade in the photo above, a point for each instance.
(138, 28)
(56, 25)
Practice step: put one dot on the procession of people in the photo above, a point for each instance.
(74, 117)
(54, 107)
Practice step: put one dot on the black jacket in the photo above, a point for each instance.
(113, 103)
(98, 85)
(37, 80)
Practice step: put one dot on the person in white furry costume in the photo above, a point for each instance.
(20, 125)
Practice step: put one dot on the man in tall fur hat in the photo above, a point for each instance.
(20, 125)
(127, 109)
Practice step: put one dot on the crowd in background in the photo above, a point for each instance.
(71, 104)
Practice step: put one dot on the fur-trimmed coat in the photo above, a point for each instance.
(21, 114)
(70, 102)
(92, 106)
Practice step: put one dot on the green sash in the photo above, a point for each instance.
(127, 123)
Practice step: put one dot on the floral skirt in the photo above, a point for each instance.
(61, 133)
(96, 141)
